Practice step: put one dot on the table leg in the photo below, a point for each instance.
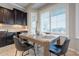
(46, 51)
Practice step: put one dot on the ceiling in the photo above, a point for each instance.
(33, 5)
(38, 5)
(23, 6)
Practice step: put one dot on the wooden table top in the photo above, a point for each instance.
(43, 38)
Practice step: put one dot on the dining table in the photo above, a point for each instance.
(42, 40)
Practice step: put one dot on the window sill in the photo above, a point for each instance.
(62, 34)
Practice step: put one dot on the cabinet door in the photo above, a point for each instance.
(17, 16)
(5, 16)
(8, 16)
(11, 19)
(1, 15)
(25, 18)
(20, 17)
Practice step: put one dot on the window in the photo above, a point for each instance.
(45, 22)
(33, 22)
(58, 21)
(54, 21)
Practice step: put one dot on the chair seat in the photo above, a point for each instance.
(55, 48)
(59, 49)
(27, 46)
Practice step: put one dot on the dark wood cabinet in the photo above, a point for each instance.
(10, 17)
(25, 19)
(6, 16)
(6, 38)
(20, 17)
(1, 15)
(14, 16)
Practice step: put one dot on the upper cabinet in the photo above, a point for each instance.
(25, 18)
(20, 17)
(14, 16)
(6, 16)
(1, 15)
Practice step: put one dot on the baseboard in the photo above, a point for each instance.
(74, 50)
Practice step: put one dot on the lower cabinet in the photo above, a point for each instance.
(9, 38)
(2, 42)
(6, 39)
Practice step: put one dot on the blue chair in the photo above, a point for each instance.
(59, 49)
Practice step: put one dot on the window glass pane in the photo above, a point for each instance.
(45, 22)
(54, 21)
(58, 21)
(33, 22)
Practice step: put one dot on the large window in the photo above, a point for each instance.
(54, 21)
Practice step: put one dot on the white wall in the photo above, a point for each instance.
(77, 26)
(77, 20)
(71, 17)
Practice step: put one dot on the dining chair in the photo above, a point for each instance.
(59, 49)
(22, 46)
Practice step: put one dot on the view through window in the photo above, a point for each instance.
(54, 21)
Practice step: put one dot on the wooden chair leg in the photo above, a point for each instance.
(16, 53)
